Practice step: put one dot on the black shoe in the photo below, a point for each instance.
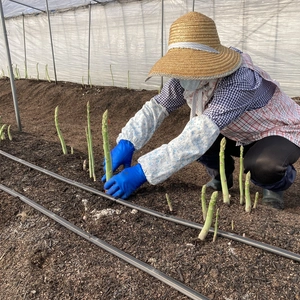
(273, 199)
(216, 184)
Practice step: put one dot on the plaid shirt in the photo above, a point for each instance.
(280, 116)
(244, 90)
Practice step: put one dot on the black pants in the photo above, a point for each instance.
(270, 161)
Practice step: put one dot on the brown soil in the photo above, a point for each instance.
(40, 259)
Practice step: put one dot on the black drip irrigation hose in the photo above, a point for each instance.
(177, 285)
(177, 220)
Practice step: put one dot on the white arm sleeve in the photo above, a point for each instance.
(196, 138)
(143, 124)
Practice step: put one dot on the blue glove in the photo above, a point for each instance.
(126, 182)
(120, 155)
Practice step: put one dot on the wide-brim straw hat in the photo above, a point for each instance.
(195, 51)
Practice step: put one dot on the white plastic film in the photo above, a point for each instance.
(126, 39)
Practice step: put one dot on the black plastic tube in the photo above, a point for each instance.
(177, 220)
(177, 285)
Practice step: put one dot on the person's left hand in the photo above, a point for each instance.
(126, 182)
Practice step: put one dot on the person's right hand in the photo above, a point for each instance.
(126, 182)
(120, 155)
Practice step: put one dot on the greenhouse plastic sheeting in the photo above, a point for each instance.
(126, 39)
(13, 8)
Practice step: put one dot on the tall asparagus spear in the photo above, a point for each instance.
(241, 185)
(226, 196)
(61, 138)
(106, 147)
(90, 143)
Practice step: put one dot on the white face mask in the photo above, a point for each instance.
(189, 84)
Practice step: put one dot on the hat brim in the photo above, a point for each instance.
(185, 63)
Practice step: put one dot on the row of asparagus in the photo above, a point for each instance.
(207, 212)
(89, 139)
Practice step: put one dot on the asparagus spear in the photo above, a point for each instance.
(61, 138)
(210, 212)
(241, 175)
(226, 196)
(203, 202)
(106, 147)
(247, 193)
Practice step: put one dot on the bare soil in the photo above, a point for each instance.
(40, 259)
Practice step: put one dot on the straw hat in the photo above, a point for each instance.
(195, 51)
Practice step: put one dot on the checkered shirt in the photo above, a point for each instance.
(244, 90)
